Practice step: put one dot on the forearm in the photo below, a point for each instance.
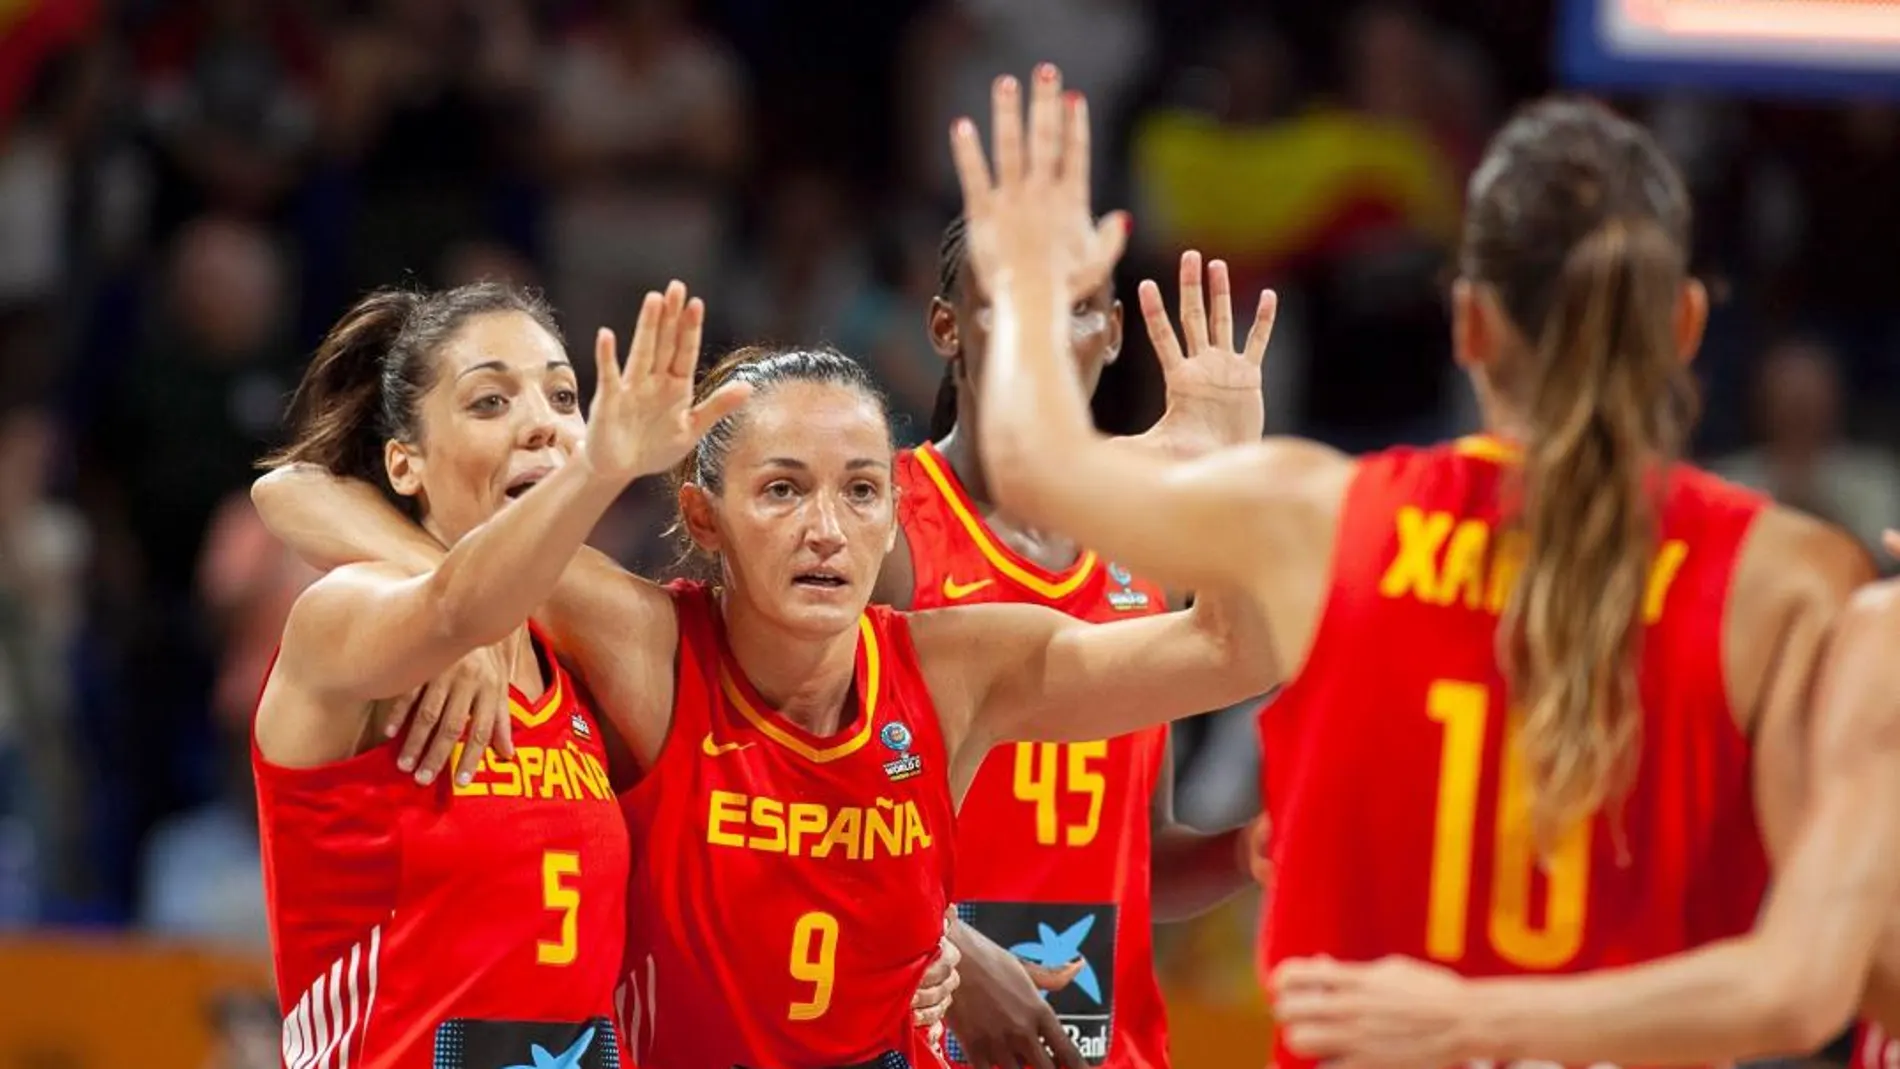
(1193, 871)
(331, 521)
(501, 572)
(1726, 1001)
(1033, 405)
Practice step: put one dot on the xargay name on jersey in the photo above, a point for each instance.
(569, 772)
(1443, 559)
(811, 829)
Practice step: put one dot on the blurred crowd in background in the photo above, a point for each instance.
(190, 191)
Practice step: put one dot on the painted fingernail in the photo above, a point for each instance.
(1046, 72)
(424, 778)
(1128, 224)
(407, 764)
(464, 779)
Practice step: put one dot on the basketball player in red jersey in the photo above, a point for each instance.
(1055, 842)
(474, 925)
(799, 752)
(1614, 819)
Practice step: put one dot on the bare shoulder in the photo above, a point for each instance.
(338, 596)
(1792, 561)
(1795, 576)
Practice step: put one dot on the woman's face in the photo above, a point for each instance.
(807, 509)
(504, 412)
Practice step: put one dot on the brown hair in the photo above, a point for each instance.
(1580, 226)
(765, 367)
(366, 382)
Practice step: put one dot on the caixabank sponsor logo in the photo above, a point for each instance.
(471, 1044)
(1055, 935)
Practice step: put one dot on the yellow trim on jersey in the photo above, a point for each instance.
(993, 553)
(549, 702)
(872, 678)
(1488, 447)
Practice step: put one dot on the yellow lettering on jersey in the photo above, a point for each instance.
(569, 774)
(812, 829)
(1443, 561)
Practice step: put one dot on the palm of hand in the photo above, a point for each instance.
(641, 428)
(1216, 394)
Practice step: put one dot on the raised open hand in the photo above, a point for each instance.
(643, 419)
(1214, 391)
(1029, 214)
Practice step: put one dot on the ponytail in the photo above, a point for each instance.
(336, 416)
(1608, 407)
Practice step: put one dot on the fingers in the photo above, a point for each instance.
(1296, 975)
(422, 721)
(1193, 303)
(723, 402)
(641, 354)
(692, 330)
(672, 312)
(1047, 979)
(454, 722)
(1257, 336)
(606, 363)
(481, 730)
(1006, 129)
(973, 171)
(1035, 1050)
(1061, 1048)
(405, 705)
(1220, 306)
(504, 743)
(1075, 152)
(1045, 124)
(1154, 313)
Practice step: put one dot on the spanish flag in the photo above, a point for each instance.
(1267, 197)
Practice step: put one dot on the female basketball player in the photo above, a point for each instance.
(799, 751)
(1059, 835)
(1605, 816)
(406, 932)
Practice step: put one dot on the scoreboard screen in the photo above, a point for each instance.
(1766, 48)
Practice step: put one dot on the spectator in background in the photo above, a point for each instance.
(884, 328)
(227, 92)
(645, 120)
(809, 266)
(1804, 460)
(43, 555)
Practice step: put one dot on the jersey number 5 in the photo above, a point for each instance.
(814, 961)
(1039, 767)
(1462, 709)
(556, 867)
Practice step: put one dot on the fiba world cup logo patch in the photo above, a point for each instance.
(1127, 598)
(896, 738)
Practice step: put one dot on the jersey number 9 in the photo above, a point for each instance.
(814, 961)
(1040, 769)
(1462, 709)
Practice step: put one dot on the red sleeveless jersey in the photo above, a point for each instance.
(790, 889)
(1399, 806)
(1054, 838)
(450, 927)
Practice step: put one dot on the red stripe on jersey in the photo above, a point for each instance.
(1055, 835)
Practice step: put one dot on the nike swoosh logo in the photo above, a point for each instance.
(714, 749)
(956, 591)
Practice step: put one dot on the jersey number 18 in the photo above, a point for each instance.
(1462, 708)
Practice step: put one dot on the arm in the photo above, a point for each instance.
(331, 521)
(1026, 672)
(367, 632)
(1193, 871)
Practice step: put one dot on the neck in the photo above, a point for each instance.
(959, 448)
(806, 680)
